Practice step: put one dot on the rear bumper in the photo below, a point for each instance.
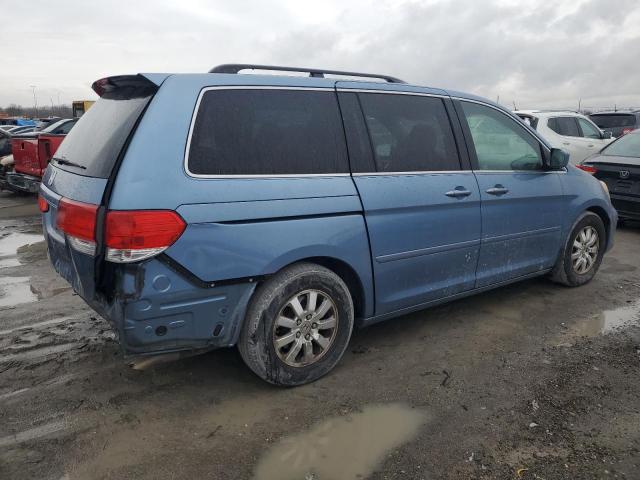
(20, 182)
(156, 310)
(628, 207)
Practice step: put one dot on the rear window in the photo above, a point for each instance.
(617, 120)
(94, 143)
(267, 132)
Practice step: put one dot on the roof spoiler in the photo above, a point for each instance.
(139, 84)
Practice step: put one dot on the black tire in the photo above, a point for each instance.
(256, 343)
(564, 271)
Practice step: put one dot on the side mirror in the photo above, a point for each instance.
(607, 135)
(558, 159)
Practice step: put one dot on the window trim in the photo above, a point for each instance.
(254, 176)
(471, 146)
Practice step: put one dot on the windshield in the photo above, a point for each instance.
(53, 126)
(95, 142)
(626, 146)
(614, 120)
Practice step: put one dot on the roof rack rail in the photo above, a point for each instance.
(313, 72)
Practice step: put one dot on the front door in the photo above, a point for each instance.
(521, 201)
(591, 137)
(422, 210)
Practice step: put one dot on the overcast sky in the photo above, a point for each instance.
(538, 53)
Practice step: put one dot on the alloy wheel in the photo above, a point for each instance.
(584, 250)
(305, 328)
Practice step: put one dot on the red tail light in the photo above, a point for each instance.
(130, 235)
(588, 169)
(43, 205)
(133, 235)
(77, 219)
(627, 130)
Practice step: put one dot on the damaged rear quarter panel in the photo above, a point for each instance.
(156, 309)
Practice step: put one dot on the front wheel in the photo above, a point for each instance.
(583, 253)
(298, 325)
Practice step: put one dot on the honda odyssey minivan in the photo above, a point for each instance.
(275, 213)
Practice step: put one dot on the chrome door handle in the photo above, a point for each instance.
(497, 190)
(591, 146)
(458, 193)
(566, 143)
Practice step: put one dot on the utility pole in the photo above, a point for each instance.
(35, 99)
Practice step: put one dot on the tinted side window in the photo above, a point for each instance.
(500, 142)
(409, 133)
(588, 130)
(267, 132)
(566, 126)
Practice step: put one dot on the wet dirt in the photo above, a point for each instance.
(531, 381)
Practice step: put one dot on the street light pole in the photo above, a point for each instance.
(35, 99)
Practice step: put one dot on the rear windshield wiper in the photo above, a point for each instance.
(71, 164)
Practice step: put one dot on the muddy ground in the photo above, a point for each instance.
(531, 381)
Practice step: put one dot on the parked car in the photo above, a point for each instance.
(31, 154)
(617, 123)
(618, 165)
(276, 212)
(43, 123)
(15, 129)
(5, 143)
(6, 160)
(570, 131)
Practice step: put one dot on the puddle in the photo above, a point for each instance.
(348, 448)
(16, 290)
(611, 321)
(10, 244)
(621, 318)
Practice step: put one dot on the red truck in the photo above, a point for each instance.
(32, 153)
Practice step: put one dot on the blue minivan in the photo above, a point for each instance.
(275, 213)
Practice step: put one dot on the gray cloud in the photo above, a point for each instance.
(538, 53)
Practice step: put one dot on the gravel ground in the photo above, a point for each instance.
(531, 381)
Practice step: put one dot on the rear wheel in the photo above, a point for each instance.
(583, 252)
(298, 325)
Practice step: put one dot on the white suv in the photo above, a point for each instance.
(570, 131)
